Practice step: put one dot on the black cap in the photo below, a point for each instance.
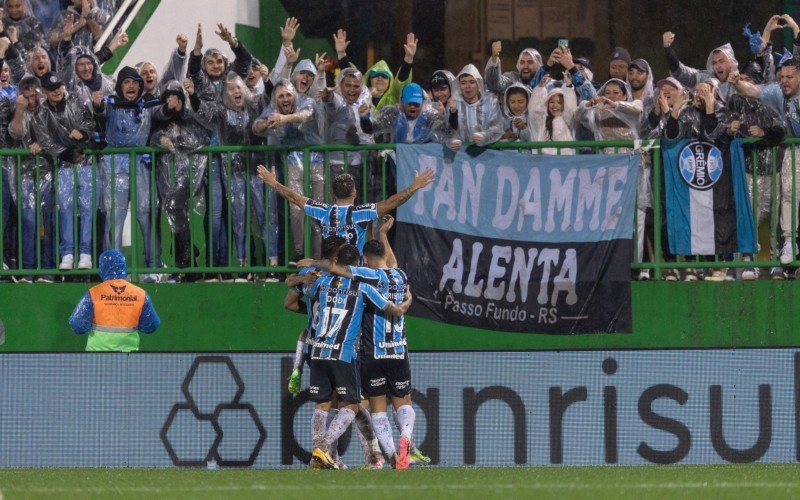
(620, 53)
(439, 80)
(50, 81)
(640, 64)
(583, 62)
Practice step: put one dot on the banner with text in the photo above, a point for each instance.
(519, 242)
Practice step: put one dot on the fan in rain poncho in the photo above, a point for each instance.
(30, 32)
(175, 70)
(441, 87)
(37, 178)
(339, 110)
(115, 311)
(480, 118)
(62, 127)
(719, 65)
(208, 71)
(518, 124)
(233, 118)
(528, 64)
(747, 117)
(694, 122)
(613, 115)
(552, 114)
(180, 181)
(90, 25)
(290, 120)
(127, 119)
(409, 122)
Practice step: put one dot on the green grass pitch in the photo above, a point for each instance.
(756, 481)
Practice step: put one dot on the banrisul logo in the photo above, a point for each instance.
(700, 164)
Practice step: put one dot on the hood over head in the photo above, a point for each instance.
(379, 68)
(305, 65)
(112, 265)
(214, 52)
(511, 88)
(95, 82)
(246, 94)
(625, 85)
(536, 57)
(440, 78)
(124, 74)
(728, 51)
(472, 71)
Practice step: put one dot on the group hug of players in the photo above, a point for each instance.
(355, 297)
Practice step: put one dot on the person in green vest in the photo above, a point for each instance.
(115, 311)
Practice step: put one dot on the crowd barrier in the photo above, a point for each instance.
(215, 174)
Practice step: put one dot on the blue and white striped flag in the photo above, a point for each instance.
(708, 207)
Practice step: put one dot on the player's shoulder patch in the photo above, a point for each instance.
(366, 206)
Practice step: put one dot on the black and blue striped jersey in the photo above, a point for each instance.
(340, 305)
(348, 221)
(384, 335)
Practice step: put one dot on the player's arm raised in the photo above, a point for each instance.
(388, 222)
(292, 196)
(420, 181)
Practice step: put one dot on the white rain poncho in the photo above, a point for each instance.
(621, 122)
(305, 65)
(525, 135)
(498, 83)
(562, 126)
(484, 116)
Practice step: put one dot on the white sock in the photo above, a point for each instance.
(298, 355)
(383, 431)
(338, 426)
(405, 417)
(318, 421)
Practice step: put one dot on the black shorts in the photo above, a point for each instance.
(382, 376)
(330, 375)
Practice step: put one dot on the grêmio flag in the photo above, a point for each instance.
(708, 207)
(518, 242)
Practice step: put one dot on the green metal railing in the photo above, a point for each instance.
(372, 188)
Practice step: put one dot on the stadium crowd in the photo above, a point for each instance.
(56, 103)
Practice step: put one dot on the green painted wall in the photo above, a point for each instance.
(222, 317)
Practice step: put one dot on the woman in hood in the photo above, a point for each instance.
(552, 113)
(516, 117)
(480, 119)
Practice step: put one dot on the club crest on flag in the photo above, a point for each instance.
(700, 165)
